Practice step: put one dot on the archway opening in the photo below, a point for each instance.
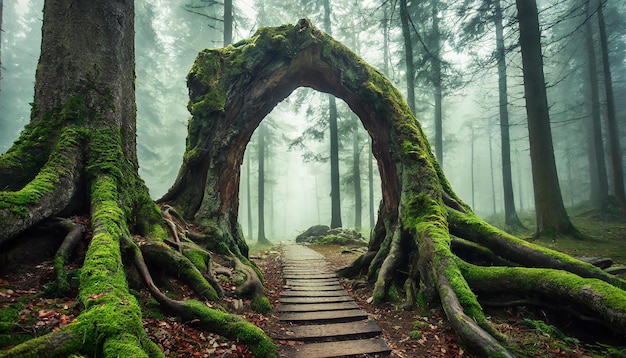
(297, 171)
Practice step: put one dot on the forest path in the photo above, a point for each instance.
(320, 313)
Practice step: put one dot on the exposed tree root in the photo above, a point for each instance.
(230, 326)
(74, 234)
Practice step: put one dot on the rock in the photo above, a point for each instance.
(313, 233)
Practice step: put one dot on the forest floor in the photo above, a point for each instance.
(420, 333)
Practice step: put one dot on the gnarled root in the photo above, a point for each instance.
(161, 255)
(224, 324)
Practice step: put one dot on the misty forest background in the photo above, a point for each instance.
(287, 161)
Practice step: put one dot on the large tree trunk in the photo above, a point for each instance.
(78, 156)
(551, 216)
(233, 89)
(510, 214)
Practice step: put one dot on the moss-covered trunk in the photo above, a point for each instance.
(234, 88)
(77, 156)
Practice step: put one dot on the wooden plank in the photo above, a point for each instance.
(317, 282)
(310, 276)
(292, 300)
(339, 349)
(314, 307)
(291, 293)
(316, 288)
(323, 316)
(337, 331)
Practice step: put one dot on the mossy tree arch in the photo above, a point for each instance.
(423, 227)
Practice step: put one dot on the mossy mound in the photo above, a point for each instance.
(322, 234)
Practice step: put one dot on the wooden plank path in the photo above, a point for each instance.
(320, 313)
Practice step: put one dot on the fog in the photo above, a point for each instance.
(169, 34)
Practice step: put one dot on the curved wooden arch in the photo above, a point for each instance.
(233, 89)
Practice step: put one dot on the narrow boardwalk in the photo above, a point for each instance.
(321, 312)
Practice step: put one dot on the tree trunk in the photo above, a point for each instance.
(615, 152)
(437, 83)
(248, 198)
(510, 214)
(77, 157)
(370, 182)
(335, 188)
(408, 55)
(233, 89)
(1, 31)
(228, 22)
(356, 172)
(597, 164)
(261, 239)
(551, 216)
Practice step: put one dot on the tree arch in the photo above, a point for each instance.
(423, 228)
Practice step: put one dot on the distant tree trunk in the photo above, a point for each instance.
(385, 24)
(472, 169)
(1, 30)
(510, 214)
(408, 55)
(248, 197)
(615, 151)
(370, 181)
(437, 83)
(261, 239)
(356, 172)
(597, 164)
(491, 170)
(520, 187)
(551, 216)
(335, 188)
(228, 22)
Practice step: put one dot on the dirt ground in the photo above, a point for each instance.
(420, 333)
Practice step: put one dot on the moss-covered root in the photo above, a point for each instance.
(72, 238)
(388, 268)
(470, 227)
(162, 255)
(221, 323)
(231, 326)
(48, 193)
(202, 260)
(466, 327)
(600, 298)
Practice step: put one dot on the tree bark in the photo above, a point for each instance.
(356, 173)
(551, 216)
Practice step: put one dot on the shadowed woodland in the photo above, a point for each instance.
(74, 172)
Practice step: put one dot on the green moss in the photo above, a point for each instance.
(48, 177)
(415, 334)
(261, 304)
(233, 327)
